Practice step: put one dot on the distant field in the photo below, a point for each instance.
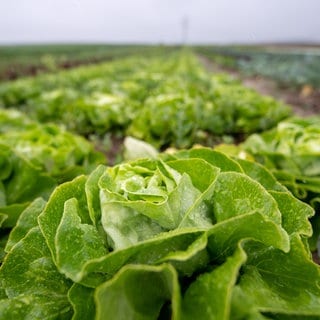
(289, 65)
(17, 61)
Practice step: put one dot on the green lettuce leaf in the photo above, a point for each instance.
(290, 287)
(27, 220)
(34, 287)
(209, 296)
(82, 301)
(140, 292)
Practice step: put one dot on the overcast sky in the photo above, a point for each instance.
(155, 21)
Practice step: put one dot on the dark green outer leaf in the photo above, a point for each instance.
(50, 218)
(281, 283)
(179, 245)
(237, 194)
(92, 192)
(82, 301)
(209, 296)
(76, 243)
(261, 174)
(36, 290)
(224, 237)
(28, 219)
(139, 292)
(215, 158)
(295, 214)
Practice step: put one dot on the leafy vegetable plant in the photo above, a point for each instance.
(189, 235)
(291, 151)
(34, 159)
(49, 148)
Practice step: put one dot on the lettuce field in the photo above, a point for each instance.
(147, 187)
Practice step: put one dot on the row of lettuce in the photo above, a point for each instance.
(288, 66)
(164, 100)
(185, 234)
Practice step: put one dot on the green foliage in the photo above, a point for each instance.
(193, 234)
(287, 66)
(34, 159)
(167, 101)
(288, 69)
(291, 151)
(20, 183)
(48, 148)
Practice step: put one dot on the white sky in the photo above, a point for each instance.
(155, 21)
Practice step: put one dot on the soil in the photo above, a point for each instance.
(114, 149)
(304, 101)
(316, 258)
(13, 72)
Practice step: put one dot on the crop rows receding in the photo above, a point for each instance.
(167, 100)
(182, 234)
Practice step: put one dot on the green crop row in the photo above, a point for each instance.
(189, 234)
(167, 101)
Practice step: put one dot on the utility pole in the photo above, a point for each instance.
(184, 30)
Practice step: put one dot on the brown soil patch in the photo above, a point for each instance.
(316, 258)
